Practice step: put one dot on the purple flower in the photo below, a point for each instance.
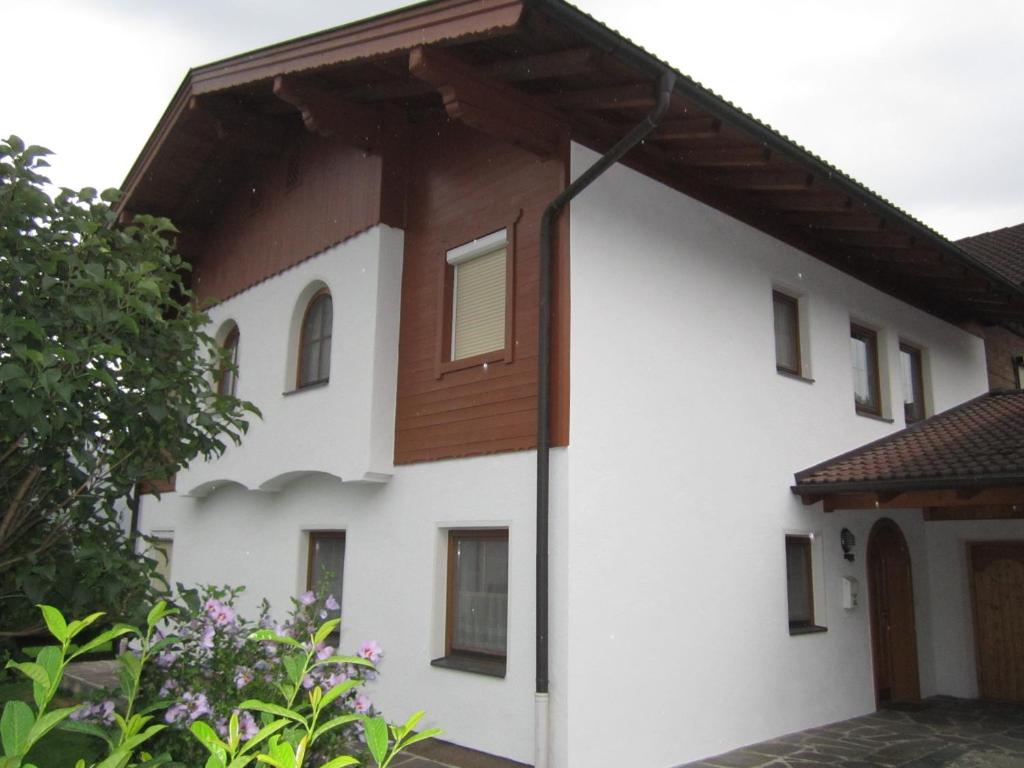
(170, 685)
(175, 713)
(247, 726)
(324, 652)
(166, 658)
(243, 677)
(219, 612)
(332, 604)
(371, 651)
(307, 598)
(362, 704)
(207, 639)
(100, 711)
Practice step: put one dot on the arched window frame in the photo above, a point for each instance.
(227, 377)
(322, 373)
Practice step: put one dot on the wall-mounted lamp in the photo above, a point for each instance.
(847, 540)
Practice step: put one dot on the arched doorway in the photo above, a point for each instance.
(893, 631)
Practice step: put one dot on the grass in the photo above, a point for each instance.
(58, 749)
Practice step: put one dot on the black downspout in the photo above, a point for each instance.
(612, 156)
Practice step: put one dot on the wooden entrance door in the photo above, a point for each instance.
(893, 630)
(997, 592)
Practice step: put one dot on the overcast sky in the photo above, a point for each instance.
(921, 100)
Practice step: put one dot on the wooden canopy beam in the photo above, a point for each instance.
(244, 130)
(949, 498)
(849, 222)
(326, 115)
(878, 238)
(489, 106)
(810, 200)
(689, 128)
(632, 96)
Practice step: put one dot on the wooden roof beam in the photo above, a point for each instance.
(723, 157)
(489, 106)
(948, 498)
(634, 95)
(243, 129)
(688, 128)
(847, 222)
(329, 116)
(763, 178)
(810, 200)
(878, 238)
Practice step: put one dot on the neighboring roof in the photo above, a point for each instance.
(1002, 249)
(979, 444)
(227, 115)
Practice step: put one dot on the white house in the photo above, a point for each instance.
(364, 207)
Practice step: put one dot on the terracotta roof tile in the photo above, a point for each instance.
(978, 442)
(1003, 250)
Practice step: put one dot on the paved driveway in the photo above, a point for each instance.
(940, 732)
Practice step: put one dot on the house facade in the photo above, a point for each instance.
(363, 208)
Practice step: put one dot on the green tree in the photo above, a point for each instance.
(107, 378)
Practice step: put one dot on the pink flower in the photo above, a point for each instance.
(219, 612)
(307, 598)
(362, 704)
(207, 639)
(332, 604)
(324, 652)
(247, 726)
(371, 651)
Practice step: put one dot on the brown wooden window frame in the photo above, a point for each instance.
(227, 376)
(323, 377)
(1017, 361)
(802, 626)
(445, 364)
(793, 303)
(870, 339)
(916, 355)
(481, 662)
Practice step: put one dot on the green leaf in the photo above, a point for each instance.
(15, 724)
(429, 733)
(358, 661)
(325, 629)
(233, 733)
(34, 672)
(272, 709)
(50, 658)
(208, 738)
(343, 687)
(158, 612)
(75, 627)
(90, 729)
(340, 761)
(48, 722)
(333, 723)
(377, 737)
(103, 638)
(268, 635)
(262, 734)
(295, 666)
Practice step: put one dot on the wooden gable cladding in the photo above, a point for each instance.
(312, 194)
(464, 184)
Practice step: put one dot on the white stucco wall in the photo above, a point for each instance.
(344, 428)
(683, 445)
(394, 576)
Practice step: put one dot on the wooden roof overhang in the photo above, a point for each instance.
(533, 72)
(968, 496)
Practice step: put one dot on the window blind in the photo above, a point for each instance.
(478, 310)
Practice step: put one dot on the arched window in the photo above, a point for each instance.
(315, 341)
(227, 382)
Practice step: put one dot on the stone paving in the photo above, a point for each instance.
(940, 732)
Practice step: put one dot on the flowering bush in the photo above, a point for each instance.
(291, 735)
(211, 664)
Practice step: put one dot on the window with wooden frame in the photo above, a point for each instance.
(912, 369)
(787, 334)
(1018, 370)
(476, 616)
(800, 584)
(314, 362)
(864, 355)
(478, 300)
(325, 568)
(227, 380)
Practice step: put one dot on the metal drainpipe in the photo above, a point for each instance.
(612, 156)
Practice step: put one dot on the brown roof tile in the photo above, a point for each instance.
(978, 442)
(1003, 250)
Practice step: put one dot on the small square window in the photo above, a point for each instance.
(800, 584)
(787, 334)
(476, 616)
(325, 570)
(864, 354)
(913, 383)
(227, 380)
(1018, 371)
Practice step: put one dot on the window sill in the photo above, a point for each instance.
(486, 358)
(794, 376)
(875, 416)
(477, 665)
(306, 387)
(809, 629)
